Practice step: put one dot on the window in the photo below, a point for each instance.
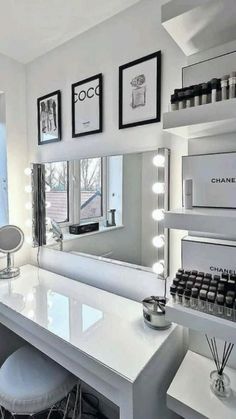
(91, 190)
(57, 191)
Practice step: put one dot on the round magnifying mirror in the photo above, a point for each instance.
(11, 240)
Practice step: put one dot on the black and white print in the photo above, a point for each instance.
(140, 91)
(87, 106)
(49, 118)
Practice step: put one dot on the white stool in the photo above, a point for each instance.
(30, 383)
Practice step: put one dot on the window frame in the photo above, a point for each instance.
(74, 194)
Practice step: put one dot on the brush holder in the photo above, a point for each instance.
(220, 384)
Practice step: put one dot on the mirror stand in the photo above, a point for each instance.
(10, 271)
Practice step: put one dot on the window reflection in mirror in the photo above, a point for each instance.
(83, 191)
(57, 191)
(91, 190)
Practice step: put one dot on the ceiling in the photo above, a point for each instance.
(30, 28)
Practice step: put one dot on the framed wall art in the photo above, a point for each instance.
(140, 91)
(49, 118)
(87, 106)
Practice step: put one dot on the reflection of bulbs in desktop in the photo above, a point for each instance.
(159, 160)
(158, 241)
(47, 204)
(158, 267)
(158, 188)
(158, 214)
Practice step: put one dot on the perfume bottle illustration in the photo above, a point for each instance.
(139, 91)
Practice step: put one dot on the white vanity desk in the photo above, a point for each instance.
(98, 336)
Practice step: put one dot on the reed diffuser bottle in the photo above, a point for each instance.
(219, 381)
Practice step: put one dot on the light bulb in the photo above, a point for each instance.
(28, 205)
(29, 240)
(30, 297)
(47, 220)
(158, 188)
(47, 204)
(158, 267)
(159, 160)
(27, 171)
(158, 214)
(47, 172)
(49, 304)
(28, 188)
(47, 188)
(158, 241)
(28, 222)
(31, 314)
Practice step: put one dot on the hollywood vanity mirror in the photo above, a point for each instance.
(102, 207)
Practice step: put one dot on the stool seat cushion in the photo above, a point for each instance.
(30, 382)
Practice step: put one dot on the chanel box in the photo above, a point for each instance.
(209, 255)
(214, 179)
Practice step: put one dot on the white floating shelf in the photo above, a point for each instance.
(197, 25)
(203, 322)
(189, 394)
(205, 220)
(202, 121)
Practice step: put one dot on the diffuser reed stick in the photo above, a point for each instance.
(219, 382)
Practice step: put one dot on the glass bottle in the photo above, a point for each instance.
(194, 298)
(220, 384)
(224, 87)
(187, 294)
(232, 85)
(138, 91)
(204, 92)
(220, 299)
(181, 99)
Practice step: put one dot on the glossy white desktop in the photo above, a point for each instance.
(98, 336)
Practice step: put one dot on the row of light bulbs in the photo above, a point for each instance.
(28, 206)
(158, 215)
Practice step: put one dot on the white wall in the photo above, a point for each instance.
(12, 83)
(129, 35)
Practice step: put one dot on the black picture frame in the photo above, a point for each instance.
(156, 56)
(44, 98)
(98, 77)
